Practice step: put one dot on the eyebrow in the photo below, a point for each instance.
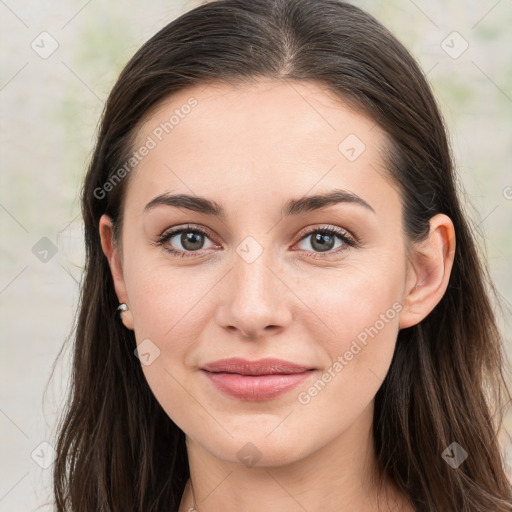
(291, 207)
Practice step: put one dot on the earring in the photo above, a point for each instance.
(126, 316)
(122, 307)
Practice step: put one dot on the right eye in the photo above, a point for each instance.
(190, 238)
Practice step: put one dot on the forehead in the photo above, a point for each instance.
(262, 137)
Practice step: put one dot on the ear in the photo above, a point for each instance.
(112, 253)
(429, 267)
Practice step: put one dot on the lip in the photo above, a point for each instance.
(259, 380)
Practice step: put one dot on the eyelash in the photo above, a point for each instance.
(348, 242)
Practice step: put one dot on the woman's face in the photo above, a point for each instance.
(263, 280)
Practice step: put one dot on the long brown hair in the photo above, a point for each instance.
(117, 450)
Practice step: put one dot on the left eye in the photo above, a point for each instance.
(322, 240)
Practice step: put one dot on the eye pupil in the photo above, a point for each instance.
(325, 241)
(191, 238)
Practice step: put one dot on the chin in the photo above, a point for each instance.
(255, 448)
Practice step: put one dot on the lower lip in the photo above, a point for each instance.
(256, 387)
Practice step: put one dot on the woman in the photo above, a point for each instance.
(304, 320)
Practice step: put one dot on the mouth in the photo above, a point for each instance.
(259, 380)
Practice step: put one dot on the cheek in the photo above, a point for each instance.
(344, 390)
(361, 310)
(355, 302)
(164, 300)
(169, 316)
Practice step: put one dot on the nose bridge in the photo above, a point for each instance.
(254, 279)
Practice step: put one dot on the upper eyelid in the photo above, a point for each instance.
(176, 231)
(303, 233)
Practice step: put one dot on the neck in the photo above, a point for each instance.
(342, 475)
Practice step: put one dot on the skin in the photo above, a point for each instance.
(251, 148)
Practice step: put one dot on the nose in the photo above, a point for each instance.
(254, 301)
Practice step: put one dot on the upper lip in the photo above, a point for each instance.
(267, 366)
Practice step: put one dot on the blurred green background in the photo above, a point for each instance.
(51, 98)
